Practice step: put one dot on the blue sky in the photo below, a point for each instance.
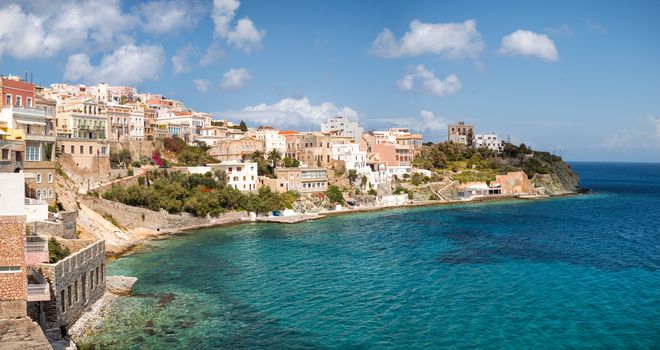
(577, 78)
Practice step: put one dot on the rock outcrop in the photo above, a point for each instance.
(562, 179)
(22, 333)
(120, 285)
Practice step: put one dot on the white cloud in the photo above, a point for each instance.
(244, 35)
(180, 59)
(167, 16)
(644, 135)
(449, 40)
(595, 26)
(235, 79)
(562, 30)
(213, 54)
(292, 113)
(129, 65)
(425, 80)
(36, 29)
(201, 85)
(526, 43)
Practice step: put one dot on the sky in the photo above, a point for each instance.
(579, 79)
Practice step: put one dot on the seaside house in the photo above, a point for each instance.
(461, 133)
(240, 175)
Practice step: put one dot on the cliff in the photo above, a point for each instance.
(560, 180)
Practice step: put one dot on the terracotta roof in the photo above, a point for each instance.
(288, 132)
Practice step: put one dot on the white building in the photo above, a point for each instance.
(136, 124)
(272, 139)
(187, 125)
(343, 126)
(489, 140)
(14, 202)
(240, 175)
(353, 157)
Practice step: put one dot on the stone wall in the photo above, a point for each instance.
(515, 183)
(138, 149)
(13, 285)
(62, 224)
(90, 168)
(76, 282)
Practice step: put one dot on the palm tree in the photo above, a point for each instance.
(257, 155)
(274, 156)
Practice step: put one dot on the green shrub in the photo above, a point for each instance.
(130, 172)
(136, 164)
(56, 251)
(113, 221)
(141, 180)
(372, 192)
(334, 194)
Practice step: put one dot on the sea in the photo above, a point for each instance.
(577, 272)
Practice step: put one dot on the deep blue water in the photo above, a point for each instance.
(574, 272)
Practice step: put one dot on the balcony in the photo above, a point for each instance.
(38, 288)
(29, 111)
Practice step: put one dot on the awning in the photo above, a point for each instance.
(29, 122)
(3, 133)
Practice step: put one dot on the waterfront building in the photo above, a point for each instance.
(82, 144)
(342, 126)
(489, 140)
(303, 180)
(351, 155)
(240, 175)
(28, 126)
(461, 133)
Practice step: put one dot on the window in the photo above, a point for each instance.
(5, 154)
(73, 149)
(19, 100)
(82, 149)
(38, 178)
(8, 99)
(75, 290)
(50, 177)
(10, 269)
(90, 150)
(32, 154)
(68, 292)
(29, 102)
(39, 194)
(62, 301)
(50, 193)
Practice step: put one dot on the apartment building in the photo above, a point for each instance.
(489, 140)
(118, 119)
(240, 175)
(231, 149)
(461, 133)
(342, 126)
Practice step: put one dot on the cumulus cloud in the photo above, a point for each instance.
(422, 79)
(645, 134)
(213, 54)
(128, 65)
(167, 16)
(35, 29)
(201, 85)
(235, 79)
(292, 113)
(244, 35)
(527, 43)
(180, 59)
(449, 40)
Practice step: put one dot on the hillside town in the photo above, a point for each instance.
(87, 171)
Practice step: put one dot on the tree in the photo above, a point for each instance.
(274, 156)
(334, 194)
(352, 176)
(242, 126)
(262, 163)
(291, 162)
(363, 181)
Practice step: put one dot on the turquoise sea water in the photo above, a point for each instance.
(575, 272)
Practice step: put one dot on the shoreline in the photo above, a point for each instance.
(134, 247)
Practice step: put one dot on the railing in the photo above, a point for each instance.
(37, 289)
(29, 110)
(36, 244)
